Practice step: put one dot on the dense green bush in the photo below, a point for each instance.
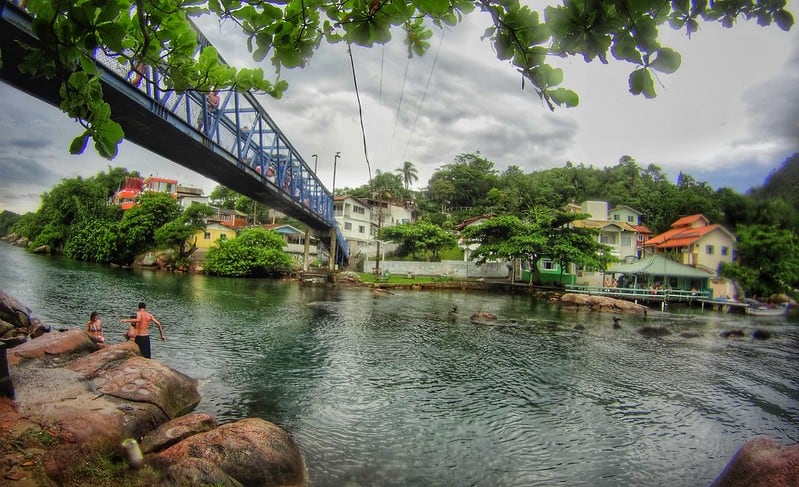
(254, 253)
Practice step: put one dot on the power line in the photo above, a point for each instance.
(360, 113)
(402, 93)
(424, 95)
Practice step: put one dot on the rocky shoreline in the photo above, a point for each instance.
(81, 401)
(89, 402)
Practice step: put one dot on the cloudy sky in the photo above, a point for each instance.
(729, 116)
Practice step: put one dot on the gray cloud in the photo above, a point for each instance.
(473, 102)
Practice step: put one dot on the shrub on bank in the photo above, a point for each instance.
(255, 252)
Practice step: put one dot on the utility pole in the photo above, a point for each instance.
(379, 226)
(335, 160)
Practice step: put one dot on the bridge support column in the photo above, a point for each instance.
(306, 251)
(333, 242)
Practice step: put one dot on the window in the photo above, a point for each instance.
(630, 219)
(547, 265)
(626, 241)
(347, 226)
(207, 236)
(361, 229)
(709, 249)
(223, 237)
(616, 217)
(725, 250)
(359, 209)
(605, 239)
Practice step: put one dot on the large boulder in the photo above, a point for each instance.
(93, 402)
(602, 303)
(52, 344)
(761, 462)
(252, 452)
(176, 430)
(14, 312)
(138, 379)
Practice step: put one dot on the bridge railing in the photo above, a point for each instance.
(236, 124)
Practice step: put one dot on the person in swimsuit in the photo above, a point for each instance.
(131, 333)
(94, 327)
(143, 319)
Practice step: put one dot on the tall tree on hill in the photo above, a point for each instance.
(409, 174)
(469, 179)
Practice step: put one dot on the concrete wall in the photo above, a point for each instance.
(451, 268)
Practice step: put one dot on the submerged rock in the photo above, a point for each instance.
(483, 317)
(761, 462)
(731, 334)
(759, 334)
(653, 331)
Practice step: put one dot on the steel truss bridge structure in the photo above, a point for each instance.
(236, 143)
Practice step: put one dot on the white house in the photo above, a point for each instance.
(360, 221)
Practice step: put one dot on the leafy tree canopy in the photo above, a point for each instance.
(159, 34)
(541, 233)
(255, 252)
(767, 259)
(419, 238)
(176, 233)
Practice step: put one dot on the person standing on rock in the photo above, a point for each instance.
(143, 319)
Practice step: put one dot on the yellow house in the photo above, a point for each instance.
(693, 240)
(205, 239)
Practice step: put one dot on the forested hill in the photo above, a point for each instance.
(782, 183)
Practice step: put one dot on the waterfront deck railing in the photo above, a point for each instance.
(638, 294)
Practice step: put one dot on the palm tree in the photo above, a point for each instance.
(409, 174)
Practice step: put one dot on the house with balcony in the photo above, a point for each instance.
(694, 241)
(188, 195)
(132, 187)
(617, 228)
(360, 220)
(229, 218)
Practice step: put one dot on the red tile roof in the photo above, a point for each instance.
(679, 236)
(687, 221)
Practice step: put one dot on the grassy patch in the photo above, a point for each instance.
(35, 438)
(105, 470)
(370, 278)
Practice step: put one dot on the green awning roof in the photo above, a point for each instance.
(657, 265)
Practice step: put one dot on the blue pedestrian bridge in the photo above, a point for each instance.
(227, 137)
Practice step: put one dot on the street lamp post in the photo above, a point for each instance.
(335, 160)
(315, 162)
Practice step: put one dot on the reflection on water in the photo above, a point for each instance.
(393, 391)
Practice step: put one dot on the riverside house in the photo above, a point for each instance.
(692, 240)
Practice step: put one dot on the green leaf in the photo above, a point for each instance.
(667, 60)
(564, 97)
(641, 83)
(436, 8)
(109, 12)
(783, 19)
(112, 34)
(78, 144)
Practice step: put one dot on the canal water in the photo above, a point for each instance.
(392, 391)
